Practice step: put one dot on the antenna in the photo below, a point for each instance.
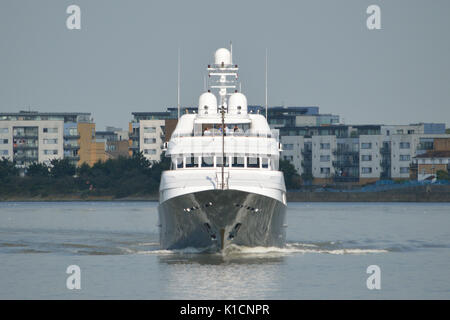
(266, 83)
(231, 53)
(178, 83)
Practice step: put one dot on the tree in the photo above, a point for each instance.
(442, 175)
(38, 170)
(7, 169)
(291, 177)
(61, 167)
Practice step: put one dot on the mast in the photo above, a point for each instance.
(178, 83)
(266, 86)
(222, 111)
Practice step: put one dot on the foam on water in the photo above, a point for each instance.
(290, 248)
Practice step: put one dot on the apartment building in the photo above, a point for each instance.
(436, 157)
(30, 136)
(357, 153)
(115, 142)
(149, 130)
(279, 117)
(323, 157)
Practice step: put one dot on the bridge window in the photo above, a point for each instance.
(179, 162)
(191, 162)
(253, 162)
(219, 161)
(238, 162)
(207, 162)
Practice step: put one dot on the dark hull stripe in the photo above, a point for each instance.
(216, 218)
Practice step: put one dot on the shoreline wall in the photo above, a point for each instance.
(427, 193)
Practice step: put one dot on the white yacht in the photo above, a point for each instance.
(224, 186)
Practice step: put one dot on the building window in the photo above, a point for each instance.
(149, 151)
(366, 145)
(404, 170)
(265, 163)
(4, 130)
(288, 147)
(73, 132)
(325, 146)
(50, 130)
(50, 141)
(4, 152)
(366, 157)
(4, 141)
(324, 158)
(405, 157)
(149, 129)
(288, 158)
(325, 170)
(366, 170)
(405, 145)
(50, 152)
(149, 140)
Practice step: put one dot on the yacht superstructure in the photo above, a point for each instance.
(224, 186)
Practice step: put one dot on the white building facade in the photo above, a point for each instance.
(29, 141)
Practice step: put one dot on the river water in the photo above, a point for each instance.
(330, 246)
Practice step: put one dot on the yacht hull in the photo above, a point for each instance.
(215, 219)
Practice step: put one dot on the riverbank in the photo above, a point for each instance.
(426, 193)
(76, 197)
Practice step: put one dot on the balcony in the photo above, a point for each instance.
(26, 157)
(134, 136)
(345, 151)
(306, 152)
(25, 146)
(306, 163)
(71, 136)
(385, 163)
(385, 150)
(71, 147)
(25, 136)
(72, 157)
(346, 164)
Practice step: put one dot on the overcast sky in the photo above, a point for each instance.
(124, 58)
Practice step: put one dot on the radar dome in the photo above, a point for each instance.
(207, 104)
(237, 104)
(222, 56)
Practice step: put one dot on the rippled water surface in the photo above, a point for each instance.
(330, 246)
